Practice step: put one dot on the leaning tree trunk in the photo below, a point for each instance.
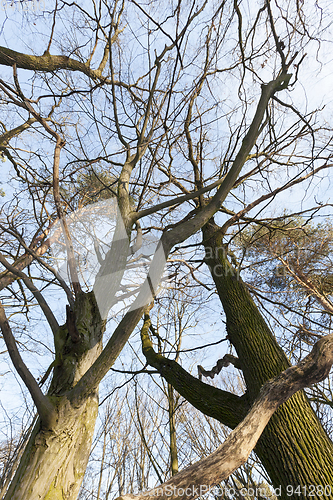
(55, 459)
(294, 448)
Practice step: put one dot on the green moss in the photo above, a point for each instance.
(294, 447)
(54, 492)
(70, 442)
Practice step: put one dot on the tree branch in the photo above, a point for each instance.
(190, 227)
(221, 363)
(174, 236)
(302, 279)
(9, 134)
(43, 405)
(221, 405)
(44, 264)
(36, 293)
(237, 447)
(177, 200)
(46, 62)
(60, 143)
(235, 218)
(24, 260)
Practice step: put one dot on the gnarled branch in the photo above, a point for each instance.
(221, 363)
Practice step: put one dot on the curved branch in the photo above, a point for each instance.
(221, 405)
(36, 293)
(44, 406)
(221, 363)
(198, 478)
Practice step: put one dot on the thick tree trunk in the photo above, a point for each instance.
(294, 448)
(55, 459)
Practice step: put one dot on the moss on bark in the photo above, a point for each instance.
(222, 405)
(294, 448)
(55, 459)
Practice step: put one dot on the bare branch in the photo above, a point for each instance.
(221, 363)
(177, 200)
(36, 293)
(43, 405)
(303, 280)
(9, 134)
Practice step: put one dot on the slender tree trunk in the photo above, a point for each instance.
(55, 459)
(294, 448)
(172, 430)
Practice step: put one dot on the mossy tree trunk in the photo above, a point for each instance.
(294, 448)
(55, 458)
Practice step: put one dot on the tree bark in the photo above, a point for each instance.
(55, 459)
(294, 448)
(224, 406)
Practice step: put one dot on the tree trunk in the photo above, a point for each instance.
(172, 431)
(55, 459)
(294, 448)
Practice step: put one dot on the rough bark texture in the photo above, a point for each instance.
(294, 448)
(55, 458)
